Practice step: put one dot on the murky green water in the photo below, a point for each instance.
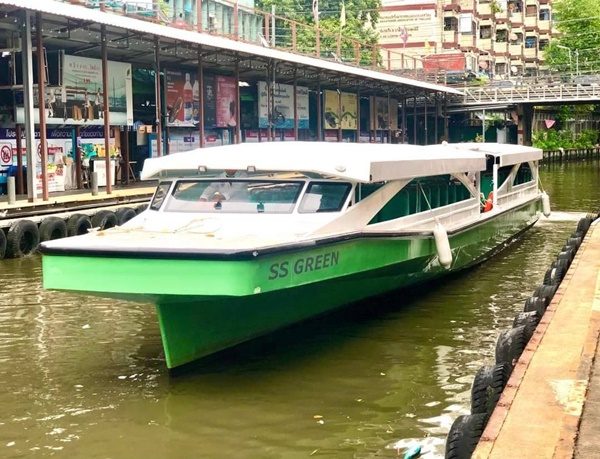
(85, 378)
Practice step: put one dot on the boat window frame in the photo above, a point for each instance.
(343, 201)
(164, 196)
(252, 179)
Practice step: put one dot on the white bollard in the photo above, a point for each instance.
(94, 183)
(10, 190)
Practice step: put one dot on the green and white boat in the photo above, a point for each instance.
(302, 228)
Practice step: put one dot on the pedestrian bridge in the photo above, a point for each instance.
(525, 93)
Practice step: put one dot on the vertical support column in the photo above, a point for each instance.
(436, 118)
(28, 106)
(425, 119)
(78, 159)
(319, 111)
(126, 157)
(339, 110)
(238, 103)
(445, 114)
(105, 91)
(358, 116)
(389, 101)
(199, 17)
(269, 98)
(20, 187)
(525, 113)
(404, 121)
(41, 76)
(295, 103)
(158, 96)
(415, 119)
(201, 97)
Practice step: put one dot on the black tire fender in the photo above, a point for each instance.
(124, 214)
(564, 264)
(140, 209)
(554, 275)
(52, 228)
(104, 219)
(22, 239)
(2, 244)
(574, 241)
(488, 384)
(535, 304)
(510, 345)
(584, 225)
(78, 224)
(464, 436)
(546, 291)
(527, 318)
(568, 256)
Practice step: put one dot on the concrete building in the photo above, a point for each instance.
(501, 38)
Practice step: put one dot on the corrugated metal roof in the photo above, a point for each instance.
(131, 24)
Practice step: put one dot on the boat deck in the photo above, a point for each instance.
(551, 405)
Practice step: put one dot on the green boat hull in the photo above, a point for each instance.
(205, 306)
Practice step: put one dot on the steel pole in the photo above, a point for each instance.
(30, 149)
(106, 107)
(41, 76)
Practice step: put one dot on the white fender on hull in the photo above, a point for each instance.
(546, 204)
(443, 245)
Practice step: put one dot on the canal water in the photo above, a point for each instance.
(83, 377)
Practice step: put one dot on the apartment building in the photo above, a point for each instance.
(501, 38)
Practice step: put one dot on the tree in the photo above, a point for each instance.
(360, 19)
(578, 45)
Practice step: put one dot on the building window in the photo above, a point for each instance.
(531, 10)
(544, 44)
(450, 24)
(516, 38)
(530, 42)
(545, 14)
(501, 36)
(485, 32)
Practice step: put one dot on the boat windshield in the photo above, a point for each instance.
(235, 195)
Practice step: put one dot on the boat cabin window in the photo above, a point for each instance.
(325, 197)
(237, 196)
(159, 195)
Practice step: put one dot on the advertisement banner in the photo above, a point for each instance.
(81, 99)
(380, 113)
(227, 103)
(183, 98)
(283, 103)
(210, 101)
(348, 114)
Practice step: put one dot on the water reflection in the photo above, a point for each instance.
(85, 377)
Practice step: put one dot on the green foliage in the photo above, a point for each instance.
(579, 24)
(359, 15)
(553, 139)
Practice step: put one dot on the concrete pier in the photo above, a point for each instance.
(551, 405)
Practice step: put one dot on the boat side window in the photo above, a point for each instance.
(159, 195)
(325, 197)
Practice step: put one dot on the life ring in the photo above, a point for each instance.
(124, 214)
(2, 244)
(22, 239)
(104, 219)
(464, 435)
(78, 224)
(52, 228)
(489, 202)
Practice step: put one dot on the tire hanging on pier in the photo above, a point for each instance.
(510, 345)
(584, 225)
(52, 228)
(554, 275)
(124, 214)
(442, 244)
(2, 244)
(464, 436)
(104, 219)
(546, 292)
(22, 239)
(535, 304)
(78, 224)
(487, 387)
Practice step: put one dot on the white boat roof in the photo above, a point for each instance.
(509, 154)
(360, 162)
